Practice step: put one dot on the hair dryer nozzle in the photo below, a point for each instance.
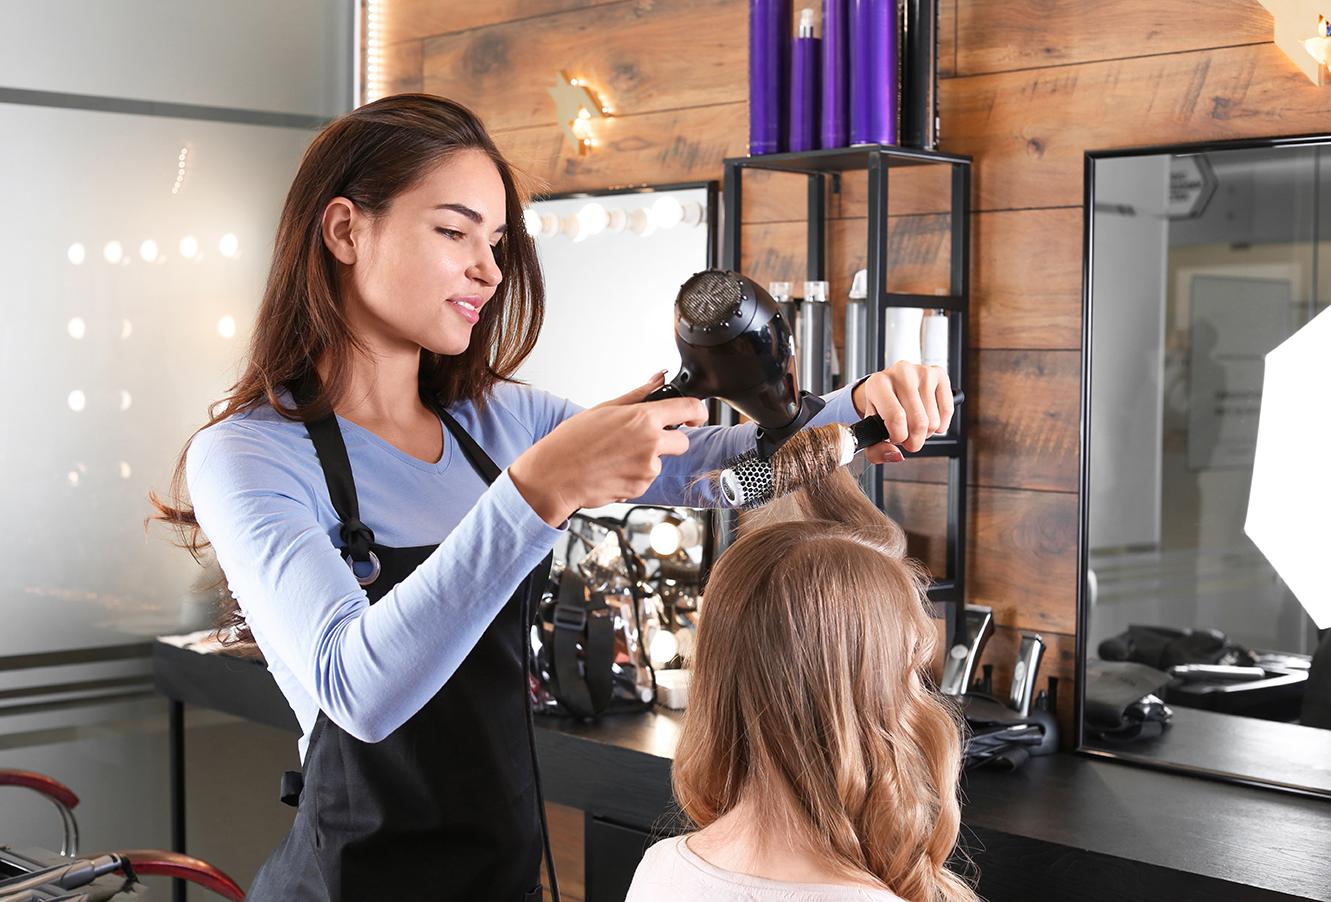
(735, 345)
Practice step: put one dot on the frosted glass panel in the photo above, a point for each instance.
(290, 57)
(132, 279)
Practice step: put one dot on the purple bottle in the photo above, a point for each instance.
(874, 78)
(804, 86)
(769, 71)
(835, 98)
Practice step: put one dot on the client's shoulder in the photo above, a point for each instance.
(661, 875)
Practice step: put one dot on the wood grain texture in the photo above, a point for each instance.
(1024, 413)
(638, 57)
(1021, 549)
(1022, 410)
(781, 196)
(1028, 130)
(567, 845)
(406, 20)
(1002, 35)
(402, 67)
(1026, 279)
(654, 148)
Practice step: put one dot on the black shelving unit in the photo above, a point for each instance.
(821, 167)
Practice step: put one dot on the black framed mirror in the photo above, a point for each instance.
(1195, 652)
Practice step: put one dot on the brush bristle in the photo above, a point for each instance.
(807, 457)
(746, 481)
(749, 481)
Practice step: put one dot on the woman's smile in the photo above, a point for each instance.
(468, 307)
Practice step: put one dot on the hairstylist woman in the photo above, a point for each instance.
(383, 500)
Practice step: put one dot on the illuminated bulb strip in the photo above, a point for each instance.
(595, 219)
(375, 83)
(182, 169)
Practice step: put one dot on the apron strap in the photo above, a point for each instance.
(332, 451)
(481, 461)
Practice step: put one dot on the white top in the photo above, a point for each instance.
(671, 871)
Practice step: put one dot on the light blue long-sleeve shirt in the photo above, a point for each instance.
(262, 501)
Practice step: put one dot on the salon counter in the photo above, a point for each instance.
(1063, 827)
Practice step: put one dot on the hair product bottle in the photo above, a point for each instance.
(874, 80)
(804, 86)
(903, 333)
(815, 345)
(857, 327)
(835, 100)
(919, 74)
(769, 70)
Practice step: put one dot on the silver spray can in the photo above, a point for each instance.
(857, 325)
(815, 342)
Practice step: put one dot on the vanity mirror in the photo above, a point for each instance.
(613, 262)
(1193, 653)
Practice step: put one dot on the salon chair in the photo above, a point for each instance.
(116, 872)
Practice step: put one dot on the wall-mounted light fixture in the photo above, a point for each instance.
(1303, 31)
(594, 219)
(576, 106)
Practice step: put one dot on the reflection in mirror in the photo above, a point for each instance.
(1197, 653)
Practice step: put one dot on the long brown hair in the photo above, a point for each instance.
(368, 156)
(811, 697)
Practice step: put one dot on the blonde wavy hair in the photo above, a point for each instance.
(811, 693)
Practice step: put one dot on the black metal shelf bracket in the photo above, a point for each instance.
(877, 161)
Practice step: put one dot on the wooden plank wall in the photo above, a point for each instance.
(1028, 86)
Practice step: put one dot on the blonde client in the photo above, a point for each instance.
(815, 758)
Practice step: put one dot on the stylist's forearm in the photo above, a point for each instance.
(549, 505)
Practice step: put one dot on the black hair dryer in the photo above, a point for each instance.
(735, 345)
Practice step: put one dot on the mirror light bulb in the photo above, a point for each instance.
(667, 211)
(593, 219)
(666, 538)
(663, 649)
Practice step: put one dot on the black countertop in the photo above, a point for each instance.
(1064, 826)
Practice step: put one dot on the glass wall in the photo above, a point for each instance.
(143, 186)
(147, 152)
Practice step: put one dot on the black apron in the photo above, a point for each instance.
(446, 807)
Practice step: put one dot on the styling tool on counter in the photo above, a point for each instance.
(998, 734)
(734, 344)
(962, 657)
(1024, 673)
(752, 480)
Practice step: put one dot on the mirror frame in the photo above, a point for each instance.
(1083, 480)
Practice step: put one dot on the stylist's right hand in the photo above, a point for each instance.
(610, 452)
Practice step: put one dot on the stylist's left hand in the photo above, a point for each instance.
(914, 401)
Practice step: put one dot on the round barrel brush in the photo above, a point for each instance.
(751, 480)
